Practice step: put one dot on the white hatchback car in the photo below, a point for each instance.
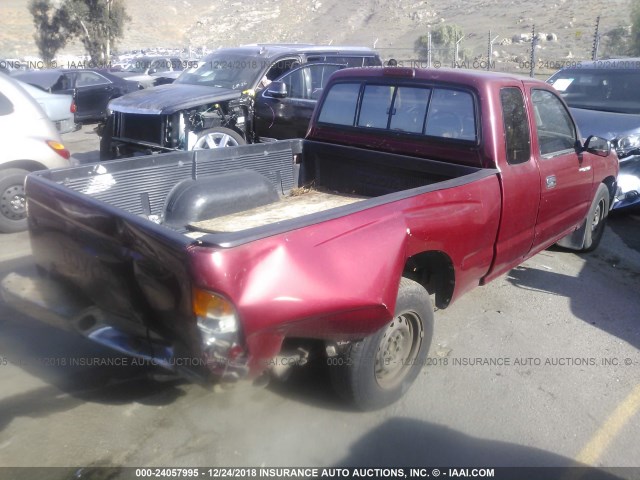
(30, 142)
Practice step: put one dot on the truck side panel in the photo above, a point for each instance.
(339, 279)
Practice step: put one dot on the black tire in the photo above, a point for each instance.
(378, 370)
(219, 137)
(596, 219)
(106, 151)
(13, 211)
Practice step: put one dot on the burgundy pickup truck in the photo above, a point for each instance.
(240, 262)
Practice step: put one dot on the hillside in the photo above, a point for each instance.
(392, 26)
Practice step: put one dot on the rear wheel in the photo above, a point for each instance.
(13, 203)
(378, 370)
(218, 137)
(596, 219)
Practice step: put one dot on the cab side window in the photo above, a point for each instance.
(555, 130)
(516, 126)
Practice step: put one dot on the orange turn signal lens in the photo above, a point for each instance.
(207, 304)
(59, 148)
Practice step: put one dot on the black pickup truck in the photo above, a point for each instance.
(236, 96)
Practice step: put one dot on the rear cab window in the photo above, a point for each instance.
(431, 111)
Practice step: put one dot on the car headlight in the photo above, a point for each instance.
(626, 145)
(628, 185)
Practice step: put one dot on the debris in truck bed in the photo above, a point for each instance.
(302, 202)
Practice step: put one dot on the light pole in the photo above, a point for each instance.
(455, 60)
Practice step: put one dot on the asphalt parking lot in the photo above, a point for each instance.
(539, 368)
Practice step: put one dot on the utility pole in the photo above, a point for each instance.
(596, 41)
(534, 42)
(429, 49)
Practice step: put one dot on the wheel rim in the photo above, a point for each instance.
(598, 214)
(215, 140)
(13, 203)
(398, 350)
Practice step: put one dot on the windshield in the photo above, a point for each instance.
(610, 90)
(237, 72)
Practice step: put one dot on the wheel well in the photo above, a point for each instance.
(435, 272)
(610, 182)
(30, 165)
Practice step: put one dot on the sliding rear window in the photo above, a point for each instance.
(431, 111)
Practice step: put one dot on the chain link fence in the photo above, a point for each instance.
(524, 54)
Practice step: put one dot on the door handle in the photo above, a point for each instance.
(551, 181)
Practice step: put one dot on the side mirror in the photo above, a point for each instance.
(598, 146)
(152, 71)
(277, 90)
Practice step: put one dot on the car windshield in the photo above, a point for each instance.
(237, 72)
(607, 90)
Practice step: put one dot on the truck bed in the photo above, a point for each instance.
(245, 191)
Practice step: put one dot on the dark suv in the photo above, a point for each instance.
(237, 95)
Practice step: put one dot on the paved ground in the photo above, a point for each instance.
(84, 144)
(563, 329)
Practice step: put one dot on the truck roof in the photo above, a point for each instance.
(461, 76)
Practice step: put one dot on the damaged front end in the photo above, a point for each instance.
(628, 190)
(134, 131)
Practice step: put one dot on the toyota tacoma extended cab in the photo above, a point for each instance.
(243, 261)
(235, 96)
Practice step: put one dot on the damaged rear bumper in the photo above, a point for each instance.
(50, 302)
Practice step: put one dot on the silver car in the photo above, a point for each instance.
(60, 109)
(30, 143)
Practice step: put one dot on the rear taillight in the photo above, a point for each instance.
(73, 108)
(59, 149)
